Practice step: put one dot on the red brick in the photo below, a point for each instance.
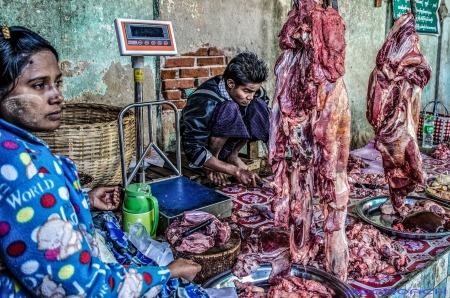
(178, 103)
(200, 81)
(215, 71)
(177, 84)
(210, 61)
(194, 72)
(167, 74)
(180, 62)
(215, 52)
(199, 52)
(172, 95)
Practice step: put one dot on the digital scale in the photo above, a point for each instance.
(145, 38)
(175, 194)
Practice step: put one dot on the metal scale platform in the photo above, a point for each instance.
(175, 194)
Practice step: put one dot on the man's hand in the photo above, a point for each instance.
(217, 178)
(186, 269)
(248, 178)
(104, 198)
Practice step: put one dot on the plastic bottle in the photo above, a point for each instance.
(428, 132)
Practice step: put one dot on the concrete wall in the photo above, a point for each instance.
(83, 32)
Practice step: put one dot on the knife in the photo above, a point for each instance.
(196, 228)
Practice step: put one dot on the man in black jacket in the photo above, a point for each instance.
(222, 115)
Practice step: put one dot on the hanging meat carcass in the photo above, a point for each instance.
(393, 108)
(311, 119)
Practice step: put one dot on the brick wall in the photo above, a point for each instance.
(181, 75)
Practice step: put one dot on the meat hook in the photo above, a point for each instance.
(296, 3)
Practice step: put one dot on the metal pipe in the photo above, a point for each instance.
(126, 180)
(413, 7)
(138, 64)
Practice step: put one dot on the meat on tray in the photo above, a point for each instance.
(215, 234)
(260, 246)
(393, 107)
(311, 119)
(372, 253)
(284, 287)
(424, 217)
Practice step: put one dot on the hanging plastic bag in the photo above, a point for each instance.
(159, 252)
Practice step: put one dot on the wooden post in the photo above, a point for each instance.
(378, 3)
(252, 149)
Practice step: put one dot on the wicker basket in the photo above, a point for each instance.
(89, 135)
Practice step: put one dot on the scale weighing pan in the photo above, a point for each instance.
(369, 211)
(179, 194)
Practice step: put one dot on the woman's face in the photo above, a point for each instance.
(35, 103)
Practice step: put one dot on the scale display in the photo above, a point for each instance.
(145, 37)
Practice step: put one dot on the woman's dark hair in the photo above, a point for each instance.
(15, 54)
(246, 68)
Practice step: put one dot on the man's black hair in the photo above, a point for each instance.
(246, 68)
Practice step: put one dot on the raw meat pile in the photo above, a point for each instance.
(215, 234)
(311, 120)
(393, 107)
(288, 287)
(442, 152)
(372, 253)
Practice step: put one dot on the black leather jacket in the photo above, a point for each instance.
(196, 116)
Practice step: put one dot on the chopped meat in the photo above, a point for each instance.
(215, 234)
(297, 287)
(196, 243)
(393, 107)
(441, 152)
(311, 116)
(372, 253)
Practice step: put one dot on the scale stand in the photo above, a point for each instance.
(175, 194)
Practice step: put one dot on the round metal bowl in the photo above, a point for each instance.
(369, 211)
(261, 275)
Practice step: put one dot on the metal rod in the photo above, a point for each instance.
(126, 180)
(138, 65)
(334, 5)
(413, 7)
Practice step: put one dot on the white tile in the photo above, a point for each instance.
(440, 272)
(414, 284)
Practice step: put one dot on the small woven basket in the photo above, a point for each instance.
(89, 135)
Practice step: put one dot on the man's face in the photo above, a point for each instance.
(242, 94)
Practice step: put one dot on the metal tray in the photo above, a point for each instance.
(369, 211)
(261, 275)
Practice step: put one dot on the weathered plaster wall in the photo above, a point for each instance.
(83, 33)
(444, 74)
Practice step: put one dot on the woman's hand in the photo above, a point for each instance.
(186, 269)
(104, 198)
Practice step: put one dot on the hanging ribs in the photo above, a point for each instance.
(311, 120)
(393, 107)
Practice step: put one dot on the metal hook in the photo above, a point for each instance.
(296, 3)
